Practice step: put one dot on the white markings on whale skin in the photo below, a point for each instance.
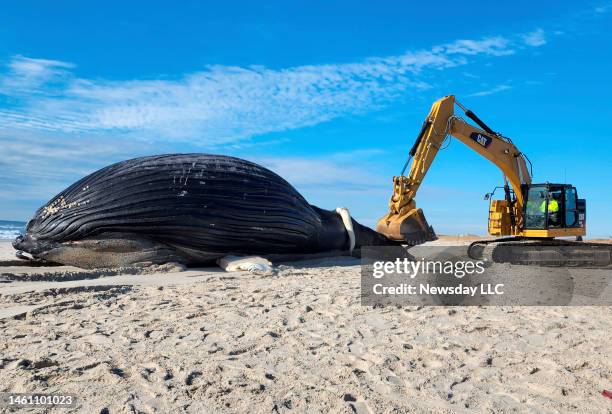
(183, 178)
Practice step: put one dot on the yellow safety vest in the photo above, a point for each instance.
(553, 206)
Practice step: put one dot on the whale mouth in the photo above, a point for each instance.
(26, 243)
(23, 243)
(18, 245)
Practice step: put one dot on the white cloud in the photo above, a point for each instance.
(535, 38)
(344, 170)
(220, 104)
(35, 166)
(496, 89)
(495, 46)
(27, 75)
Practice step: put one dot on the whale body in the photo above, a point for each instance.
(185, 208)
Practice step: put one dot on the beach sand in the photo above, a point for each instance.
(204, 340)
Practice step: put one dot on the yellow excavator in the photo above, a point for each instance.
(529, 220)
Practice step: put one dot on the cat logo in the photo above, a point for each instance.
(483, 140)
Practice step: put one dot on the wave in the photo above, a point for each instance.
(11, 229)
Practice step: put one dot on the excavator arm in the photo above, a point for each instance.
(406, 222)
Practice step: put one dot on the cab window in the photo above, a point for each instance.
(535, 215)
(571, 209)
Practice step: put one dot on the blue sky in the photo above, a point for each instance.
(328, 94)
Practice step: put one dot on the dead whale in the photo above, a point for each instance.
(185, 208)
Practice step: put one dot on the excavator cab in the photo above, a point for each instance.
(549, 210)
(549, 213)
(554, 210)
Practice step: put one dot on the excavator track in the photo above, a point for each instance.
(538, 252)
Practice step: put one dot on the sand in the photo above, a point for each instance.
(203, 340)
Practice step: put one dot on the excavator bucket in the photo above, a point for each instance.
(410, 227)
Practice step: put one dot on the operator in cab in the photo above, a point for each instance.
(553, 208)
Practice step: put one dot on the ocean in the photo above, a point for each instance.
(11, 229)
